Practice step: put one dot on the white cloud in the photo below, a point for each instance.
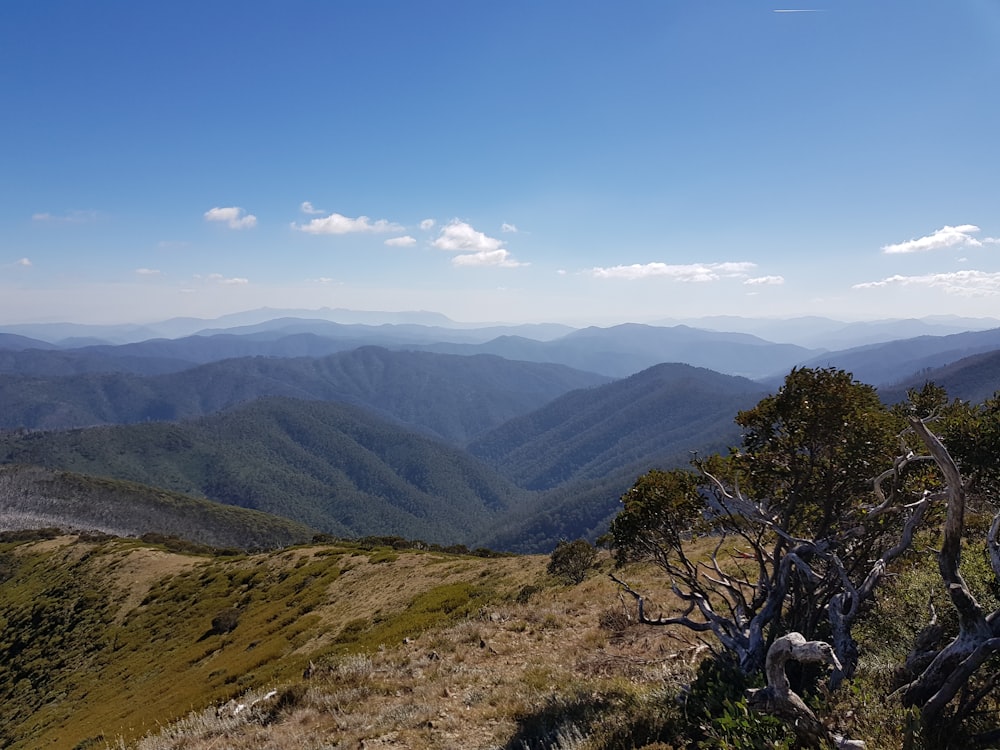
(73, 217)
(505, 227)
(339, 224)
(686, 272)
(427, 224)
(147, 272)
(475, 247)
(765, 281)
(404, 241)
(307, 208)
(460, 236)
(960, 236)
(963, 283)
(233, 216)
(218, 278)
(498, 257)
(25, 262)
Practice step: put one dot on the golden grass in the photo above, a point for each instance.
(404, 648)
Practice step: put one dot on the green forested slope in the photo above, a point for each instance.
(449, 396)
(585, 449)
(34, 497)
(661, 412)
(333, 467)
(974, 379)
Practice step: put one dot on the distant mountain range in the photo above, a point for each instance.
(449, 396)
(512, 437)
(343, 470)
(811, 332)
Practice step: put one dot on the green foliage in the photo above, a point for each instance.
(572, 561)
(659, 512)
(972, 435)
(813, 448)
(716, 715)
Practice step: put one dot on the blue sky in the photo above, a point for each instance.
(581, 162)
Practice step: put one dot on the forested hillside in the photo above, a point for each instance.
(894, 361)
(585, 449)
(33, 497)
(452, 397)
(333, 467)
(555, 473)
(659, 413)
(974, 379)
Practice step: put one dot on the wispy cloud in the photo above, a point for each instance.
(476, 248)
(947, 236)
(963, 283)
(307, 208)
(765, 281)
(147, 272)
(339, 224)
(73, 217)
(233, 217)
(218, 278)
(505, 227)
(23, 262)
(692, 272)
(427, 224)
(499, 257)
(404, 241)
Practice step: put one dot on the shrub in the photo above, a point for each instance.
(226, 621)
(571, 561)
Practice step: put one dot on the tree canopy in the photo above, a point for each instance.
(826, 491)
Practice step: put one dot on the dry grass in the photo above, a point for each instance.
(475, 683)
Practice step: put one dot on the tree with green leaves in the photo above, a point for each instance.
(571, 561)
(793, 515)
(827, 490)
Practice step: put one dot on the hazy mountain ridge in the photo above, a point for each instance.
(450, 396)
(570, 437)
(623, 350)
(816, 332)
(894, 361)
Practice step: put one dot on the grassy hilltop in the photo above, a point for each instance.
(108, 640)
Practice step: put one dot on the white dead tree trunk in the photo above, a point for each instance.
(979, 633)
(778, 699)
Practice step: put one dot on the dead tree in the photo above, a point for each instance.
(978, 638)
(778, 698)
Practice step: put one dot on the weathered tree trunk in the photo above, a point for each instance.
(950, 670)
(778, 699)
